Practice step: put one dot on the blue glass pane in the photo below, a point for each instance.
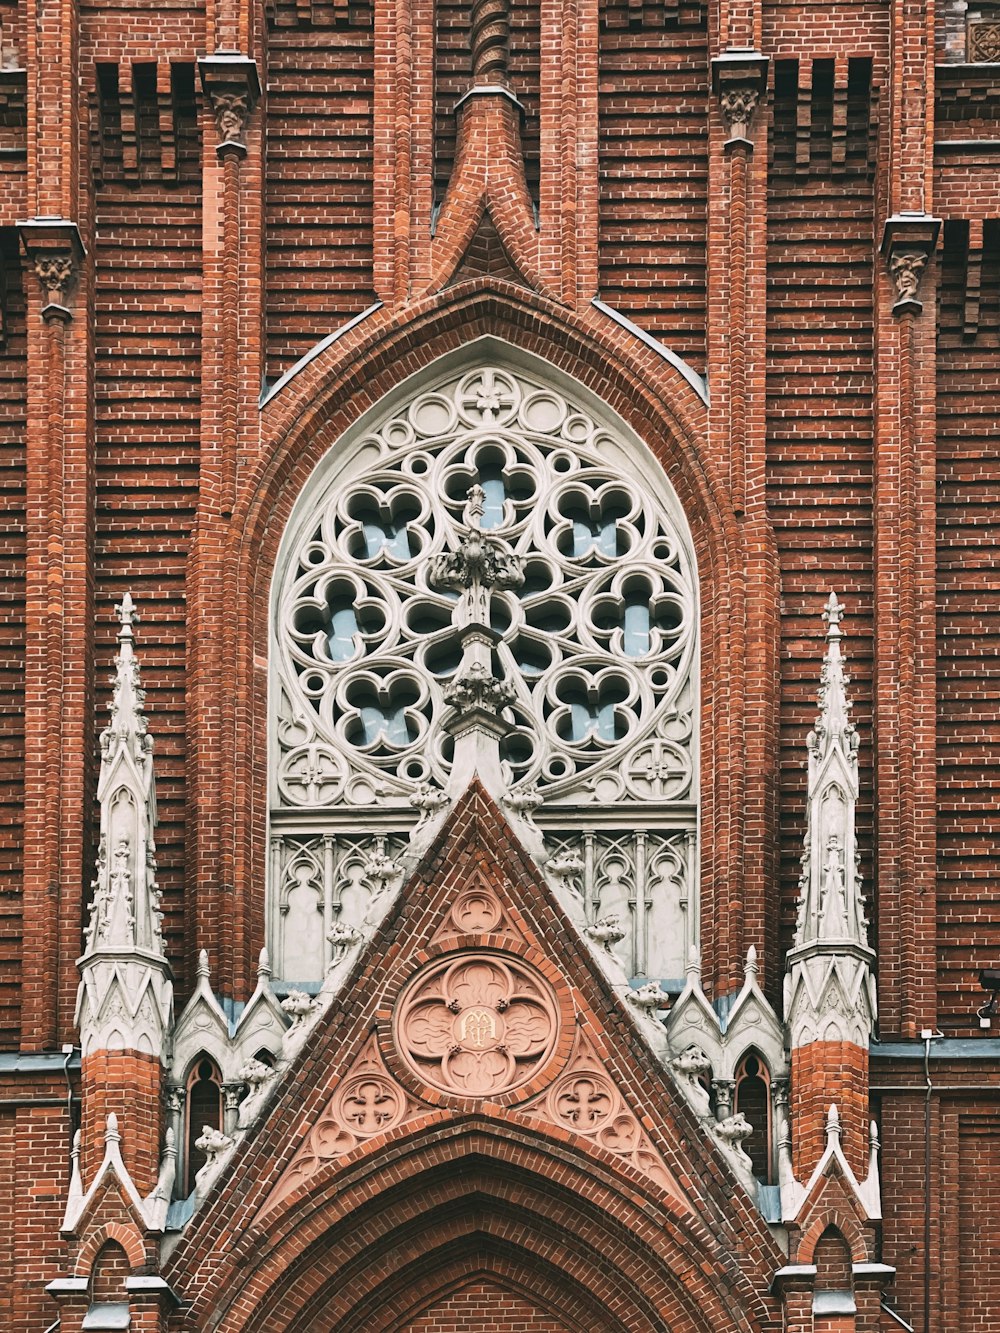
(343, 628)
(586, 721)
(493, 504)
(390, 723)
(396, 541)
(602, 537)
(635, 639)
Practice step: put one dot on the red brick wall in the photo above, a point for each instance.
(147, 349)
(12, 499)
(963, 1192)
(819, 410)
(653, 165)
(968, 626)
(129, 1085)
(829, 1073)
(140, 209)
(485, 1308)
(318, 193)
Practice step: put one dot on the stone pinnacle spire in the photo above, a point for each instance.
(831, 933)
(123, 947)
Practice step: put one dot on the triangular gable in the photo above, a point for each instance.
(478, 997)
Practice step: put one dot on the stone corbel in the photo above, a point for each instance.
(739, 80)
(908, 241)
(56, 252)
(232, 85)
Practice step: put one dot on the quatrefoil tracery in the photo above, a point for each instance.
(598, 641)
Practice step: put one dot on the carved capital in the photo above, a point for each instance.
(907, 244)
(740, 82)
(56, 252)
(906, 267)
(232, 108)
(232, 85)
(55, 272)
(738, 102)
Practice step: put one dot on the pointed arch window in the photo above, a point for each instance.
(753, 1098)
(204, 1108)
(597, 644)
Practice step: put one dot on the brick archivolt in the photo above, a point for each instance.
(312, 413)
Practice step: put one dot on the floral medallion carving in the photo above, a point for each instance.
(477, 912)
(585, 1101)
(368, 1104)
(476, 1025)
(365, 1103)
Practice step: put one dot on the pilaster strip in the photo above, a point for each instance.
(231, 362)
(737, 253)
(59, 521)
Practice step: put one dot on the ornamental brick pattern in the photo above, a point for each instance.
(798, 202)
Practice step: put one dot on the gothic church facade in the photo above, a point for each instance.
(518, 478)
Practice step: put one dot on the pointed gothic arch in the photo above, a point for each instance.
(365, 1245)
(344, 378)
(595, 648)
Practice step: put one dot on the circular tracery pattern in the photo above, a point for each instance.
(476, 1025)
(598, 643)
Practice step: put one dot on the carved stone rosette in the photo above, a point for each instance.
(476, 1024)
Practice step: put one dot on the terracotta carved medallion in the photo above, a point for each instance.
(477, 1025)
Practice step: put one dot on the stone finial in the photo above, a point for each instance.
(830, 981)
(830, 904)
(125, 910)
(125, 923)
(833, 1125)
(481, 565)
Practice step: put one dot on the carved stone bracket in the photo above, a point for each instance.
(54, 247)
(908, 242)
(739, 79)
(232, 85)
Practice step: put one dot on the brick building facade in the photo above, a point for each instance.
(460, 444)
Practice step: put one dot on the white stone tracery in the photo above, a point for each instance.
(588, 652)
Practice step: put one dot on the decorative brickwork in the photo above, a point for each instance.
(513, 1053)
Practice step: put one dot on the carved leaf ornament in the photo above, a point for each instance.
(598, 640)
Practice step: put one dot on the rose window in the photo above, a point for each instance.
(511, 500)
(597, 640)
(477, 1026)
